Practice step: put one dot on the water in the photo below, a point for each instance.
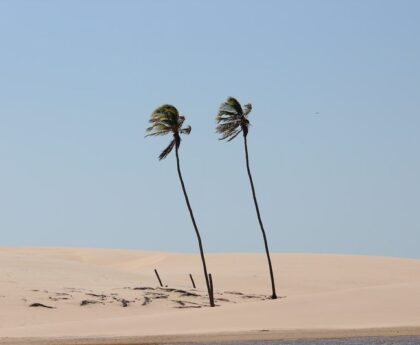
(348, 341)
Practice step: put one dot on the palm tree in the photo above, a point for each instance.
(166, 120)
(231, 120)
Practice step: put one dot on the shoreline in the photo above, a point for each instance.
(261, 335)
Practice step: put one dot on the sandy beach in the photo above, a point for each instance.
(103, 296)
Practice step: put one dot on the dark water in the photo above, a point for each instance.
(352, 341)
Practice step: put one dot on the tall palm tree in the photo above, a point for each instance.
(231, 120)
(166, 120)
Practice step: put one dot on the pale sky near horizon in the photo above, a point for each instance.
(334, 142)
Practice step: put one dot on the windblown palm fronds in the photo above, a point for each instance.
(166, 120)
(232, 119)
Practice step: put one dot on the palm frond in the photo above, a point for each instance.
(186, 130)
(234, 135)
(167, 151)
(166, 111)
(158, 129)
(181, 120)
(225, 128)
(231, 119)
(234, 104)
(248, 108)
(156, 133)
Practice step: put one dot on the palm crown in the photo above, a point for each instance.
(232, 119)
(166, 120)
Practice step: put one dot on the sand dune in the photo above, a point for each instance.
(114, 293)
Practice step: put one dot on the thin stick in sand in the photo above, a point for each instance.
(157, 275)
(192, 280)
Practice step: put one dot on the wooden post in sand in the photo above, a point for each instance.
(192, 280)
(157, 275)
(211, 286)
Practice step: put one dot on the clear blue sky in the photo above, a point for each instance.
(79, 79)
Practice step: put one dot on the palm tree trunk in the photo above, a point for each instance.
(274, 295)
(211, 297)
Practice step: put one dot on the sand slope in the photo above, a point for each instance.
(319, 292)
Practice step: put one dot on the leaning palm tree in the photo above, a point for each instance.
(231, 120)
(166, 120)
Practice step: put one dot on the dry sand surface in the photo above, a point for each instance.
(112, 296)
